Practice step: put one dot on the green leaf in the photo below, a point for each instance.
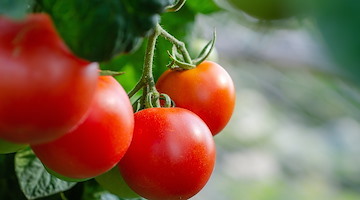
(89, 27)
(14, 8)
(34, 180)
(203, 6)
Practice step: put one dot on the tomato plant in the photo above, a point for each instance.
(172, 154)
(97, 144)
(207, 90)
(45, 89)
(79, 125)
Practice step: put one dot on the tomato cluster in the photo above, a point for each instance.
(45, 90)
(82, 125)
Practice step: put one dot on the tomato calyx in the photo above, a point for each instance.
(180, 61)
(206, 51)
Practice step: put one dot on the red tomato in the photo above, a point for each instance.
(44, 89)
(206, 90)
(171, 156)
(97, 144)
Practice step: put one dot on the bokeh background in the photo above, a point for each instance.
(295, 132)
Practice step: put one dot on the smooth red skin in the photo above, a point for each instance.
(171, 156)
(97, 144)
(206, 90)
(44, 89)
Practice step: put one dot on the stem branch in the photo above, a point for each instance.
(146, 81)
(179, 44)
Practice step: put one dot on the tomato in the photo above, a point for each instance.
(266, 9)
(97, 144)
(9, 147)
(45, 89)
(171, 156)
(206, 90)
(113, 182)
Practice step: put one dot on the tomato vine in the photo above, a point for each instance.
(179, 61)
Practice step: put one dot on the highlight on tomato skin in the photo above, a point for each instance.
(206, 90)
(172, 154)
(45, 90)
(97, 144)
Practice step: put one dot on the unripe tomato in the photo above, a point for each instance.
(113, 182)
(171, 156)
(44, 89)
(97, 144)
(206, 90)
(9, 147)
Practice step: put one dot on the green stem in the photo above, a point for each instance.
(149, 58)
(146, 81)
(179, 44)
(150, 96)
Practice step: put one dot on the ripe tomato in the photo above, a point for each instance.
(9, 147)
(98, 143)
(171, 156)
(113, 182)
(206, 90)
(45, 89)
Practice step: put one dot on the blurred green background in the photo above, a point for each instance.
(295, 132)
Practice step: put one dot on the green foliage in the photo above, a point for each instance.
(93, 191)
(113, 182)
(8, 147)
(267, 10)
(98, 30)
(9, 187)
(94, 30)
(34, 180)
(203, 6)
